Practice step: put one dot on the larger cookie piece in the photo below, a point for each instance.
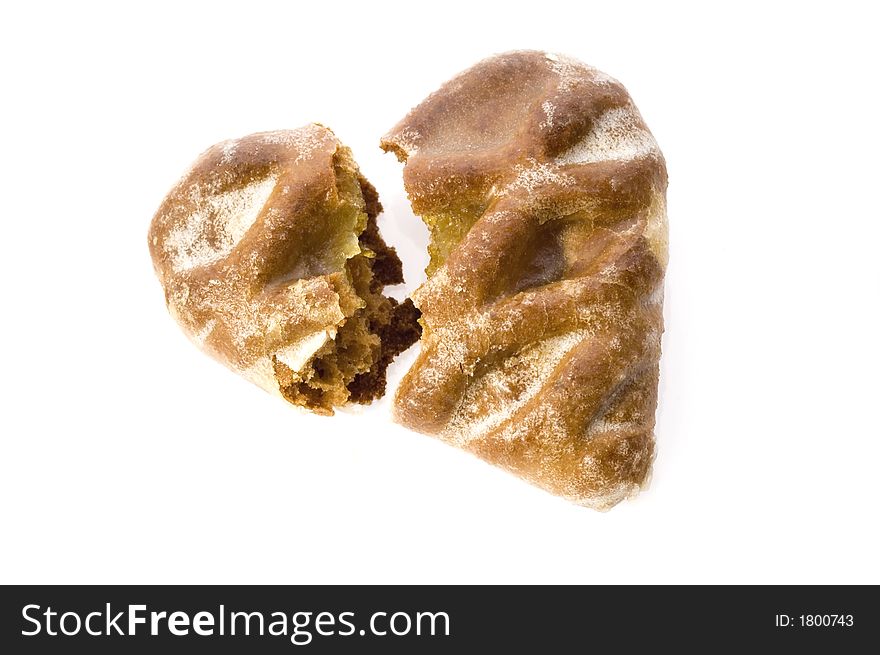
(544, 193)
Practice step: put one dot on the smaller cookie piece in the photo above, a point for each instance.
(272, 262)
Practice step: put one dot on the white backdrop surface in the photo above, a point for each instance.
(129, 457)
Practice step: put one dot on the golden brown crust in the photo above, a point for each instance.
(545, 195)
(266, 250)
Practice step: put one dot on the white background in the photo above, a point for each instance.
(130, 457)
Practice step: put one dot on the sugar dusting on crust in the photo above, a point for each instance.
(549, 111)
(407, 140)
(215, 223)
(494, 397)
(230, 148)
(200, 336)
(570, 71)
(304, 142)
(616, 135)
(530, 177)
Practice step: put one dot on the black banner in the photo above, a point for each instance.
(539, 619)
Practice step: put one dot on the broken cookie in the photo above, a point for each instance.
(272, 262)
(545, 196)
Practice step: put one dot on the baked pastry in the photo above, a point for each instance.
(272, 262)
(544, 195)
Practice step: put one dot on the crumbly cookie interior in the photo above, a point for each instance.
(351, 366)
